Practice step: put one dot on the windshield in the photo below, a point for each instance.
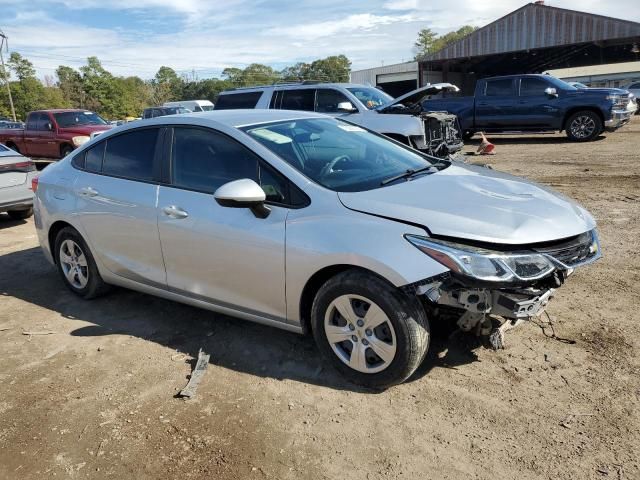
(336, 154)
(72, 119)
(556, 82)
(370, 97)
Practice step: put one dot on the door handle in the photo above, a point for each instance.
(88, 192)
(174, 212)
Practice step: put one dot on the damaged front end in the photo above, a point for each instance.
(442, 136)
(489, 291)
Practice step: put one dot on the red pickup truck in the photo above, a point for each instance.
(53, 133)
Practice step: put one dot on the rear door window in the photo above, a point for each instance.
(499, 88)
(237, 100)
(131, 154)
(299, 99)
(32, 121)
(93, 158)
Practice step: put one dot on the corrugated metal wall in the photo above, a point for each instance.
(538, 26)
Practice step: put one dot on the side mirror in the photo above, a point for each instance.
(243, 193)
(49, 126)
(346, 107)
(552, 92)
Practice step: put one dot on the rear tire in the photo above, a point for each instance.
(583, 126)
(77, 266)
(383, 335)
(20, 214)
(66, 150)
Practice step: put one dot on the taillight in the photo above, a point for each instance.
(27, 166)
(34, 183)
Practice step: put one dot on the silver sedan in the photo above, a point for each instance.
(16, 174)
(310, 224)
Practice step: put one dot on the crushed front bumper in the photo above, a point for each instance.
(474, 303)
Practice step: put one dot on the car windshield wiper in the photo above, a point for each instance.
(407, 174)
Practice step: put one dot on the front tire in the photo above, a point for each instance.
(20, 214)
(583, 126)
(77, 266)
(371, 332)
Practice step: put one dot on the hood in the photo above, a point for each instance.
(416, 96)
(475, 203)
(85, 129)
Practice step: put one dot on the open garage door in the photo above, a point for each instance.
(396, 84)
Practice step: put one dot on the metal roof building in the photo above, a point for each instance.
(533, 39)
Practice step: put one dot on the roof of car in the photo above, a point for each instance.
(242, 117)
(61, 110)
(295, 85)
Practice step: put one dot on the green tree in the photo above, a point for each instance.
(429, 42)
(22, 67)
(71, 86)
(166, 86)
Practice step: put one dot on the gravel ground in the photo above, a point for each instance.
(97, 397)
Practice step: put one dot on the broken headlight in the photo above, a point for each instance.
(483, 264)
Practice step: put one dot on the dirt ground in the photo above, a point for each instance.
(96, 398)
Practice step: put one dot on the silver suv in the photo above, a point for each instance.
(402, 118)
(311, 224)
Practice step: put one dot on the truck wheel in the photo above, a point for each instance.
(370, 331)
(76, 265)
(66, 150)
(467, 135)
(20, 214)
(583, 126)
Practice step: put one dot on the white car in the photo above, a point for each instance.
(193, 105)
(402, 119)
(16, 175)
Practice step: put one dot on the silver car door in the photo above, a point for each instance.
(116, 205)
(222, 255)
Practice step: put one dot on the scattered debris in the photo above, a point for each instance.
(198, 372)
(43, 332)
(566, 421)
(176, 357)
(5, 327)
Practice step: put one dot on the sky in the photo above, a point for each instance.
(202, 37)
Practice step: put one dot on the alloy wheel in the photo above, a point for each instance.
(360, 333)
(74, 264)
(583, 126)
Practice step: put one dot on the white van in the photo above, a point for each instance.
(193, 105)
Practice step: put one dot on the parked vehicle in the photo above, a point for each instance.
(371, 240)
(16, 175)
(154, 112)
(6, 124)
(435, 133)
(53, 133)
(193, 105)
(535, 103)
(634, 88)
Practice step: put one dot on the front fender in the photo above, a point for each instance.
(321, 236)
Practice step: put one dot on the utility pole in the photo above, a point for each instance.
(3, 39)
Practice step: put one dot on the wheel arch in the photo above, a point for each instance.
(63, 145)
(574, 110)
(316, 281)
(55, 228)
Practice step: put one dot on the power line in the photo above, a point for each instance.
(4, 41)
